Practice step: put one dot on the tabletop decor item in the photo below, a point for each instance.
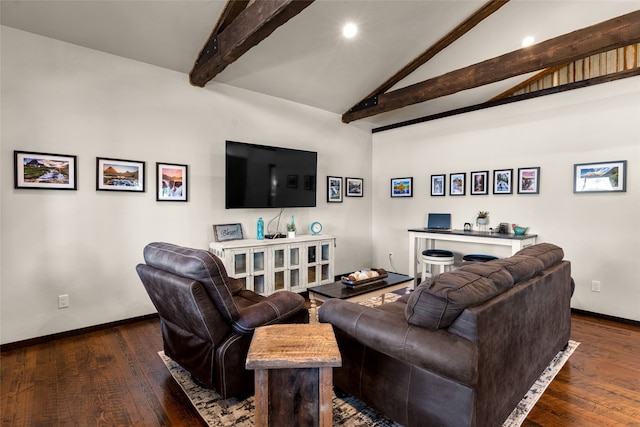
(291, 229)
(316, 228)
(44, 171)
(224, 232)
(482, 218)
(519, 230)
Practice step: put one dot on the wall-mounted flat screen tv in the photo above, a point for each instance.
(261, 176)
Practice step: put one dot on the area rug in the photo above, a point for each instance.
(347, 411)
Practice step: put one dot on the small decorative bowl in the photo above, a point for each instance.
(520, 230)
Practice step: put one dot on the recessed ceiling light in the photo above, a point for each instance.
(528, 41)
(349, 30)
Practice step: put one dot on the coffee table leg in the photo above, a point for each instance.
(313, 310)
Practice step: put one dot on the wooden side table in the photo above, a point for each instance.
(294, 374)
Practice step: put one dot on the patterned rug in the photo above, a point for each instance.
(347, 411)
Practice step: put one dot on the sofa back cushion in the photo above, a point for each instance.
(520, 267)
(436, 303)
(199, 265)
(548, 253)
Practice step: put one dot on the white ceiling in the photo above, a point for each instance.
(307, 60)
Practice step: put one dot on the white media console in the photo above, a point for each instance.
(271, 265)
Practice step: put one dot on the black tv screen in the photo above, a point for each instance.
(261, 176)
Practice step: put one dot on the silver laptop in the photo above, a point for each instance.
(439, 221)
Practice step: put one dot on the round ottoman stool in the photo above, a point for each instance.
(440, 257)
(478, 258)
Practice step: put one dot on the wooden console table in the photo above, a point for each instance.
(294, 374)
(515, 241)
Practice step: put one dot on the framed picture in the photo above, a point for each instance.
(44, 171)
(600, 177)
(502, 181)
(457, 184)
(402, 187)
(171, 182)
(479, 183)
(120, 175)
(334, 189)
(353, 187)
(529, 180)
(224, 232)
(438, 185)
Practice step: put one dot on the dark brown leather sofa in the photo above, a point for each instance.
(207, 318)
(463, 348)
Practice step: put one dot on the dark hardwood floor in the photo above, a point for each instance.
(114, 377)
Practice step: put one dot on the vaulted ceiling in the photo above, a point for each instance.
(301, 56)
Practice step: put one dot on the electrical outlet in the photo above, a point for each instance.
(63, 301)
(595, 286)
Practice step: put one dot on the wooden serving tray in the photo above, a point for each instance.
(354, 283)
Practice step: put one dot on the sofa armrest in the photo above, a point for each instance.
(435, 350)
(273, 309)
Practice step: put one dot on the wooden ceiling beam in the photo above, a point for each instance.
(241, 27)
(463, 28)
(611, 34)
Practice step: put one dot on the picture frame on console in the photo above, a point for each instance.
(438, 185)
(334, 189)
(503, 181)
(171, 182)
(120, 175)
(479, 183)
(44, 171)
(601, 177)
(402, 187)
(225, 232)
(354, 187)
(457, 184)
(529, 180)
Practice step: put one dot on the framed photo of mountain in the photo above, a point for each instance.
(44, 171)
(120, 175)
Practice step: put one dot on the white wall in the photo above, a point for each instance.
(599, 233)
(64, 99)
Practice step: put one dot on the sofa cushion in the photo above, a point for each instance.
(438, 302)
(548, 253)
(521, 267)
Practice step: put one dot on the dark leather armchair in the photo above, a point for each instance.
(208, 318)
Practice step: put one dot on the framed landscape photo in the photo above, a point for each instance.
(120, 175)
(438, 185)
(224, 232)
(503, 181)
(44, 171)
(479, 183)
(600, 177)
(457, 184)
(402, 187)
(529, 180)
(171, 182)
(334, 189)
(354, 187)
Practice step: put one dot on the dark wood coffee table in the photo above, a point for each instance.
(393, 282)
